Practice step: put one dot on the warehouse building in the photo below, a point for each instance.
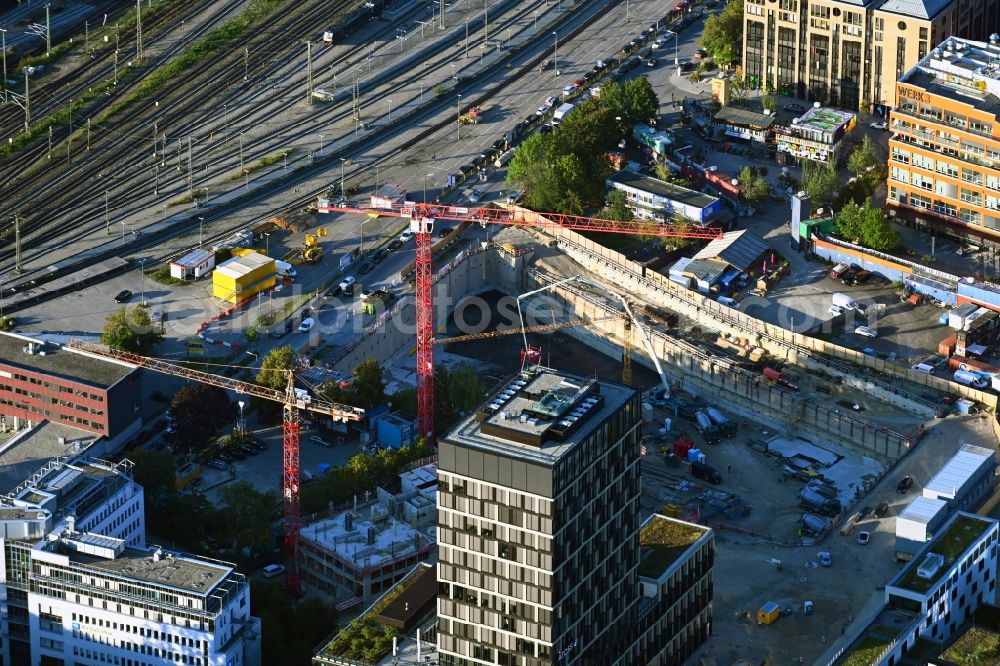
(241, 277)
(44, 381)
(656, 199)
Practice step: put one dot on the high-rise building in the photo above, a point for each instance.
(849, 53)
(79, 585)
(538, 525)
(944, 152)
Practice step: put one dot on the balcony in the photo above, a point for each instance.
(938, 121)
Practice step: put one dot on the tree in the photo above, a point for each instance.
(867, 225)
(130, 329)
(277, 360)
(199, 410)
(369, 384)
(819, 180)
(154, 471)
(723, 33)
(248, 514)
(592, 127)
(862, 158)
(634, 101)
(739, 92)
(769, 102)
(616, 207)
(755, 188)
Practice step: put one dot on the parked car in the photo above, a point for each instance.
(365, 267)
(379, 255)
(837, 271)
(864, 512)
(394, 245)
(650, 62)
(273, 570)
(568, 90)
(881, 509)
(864, 538)
(123, 296)
(795, 108)
(578, 83)
(847, 277)
(476, 196)
(862, 277)
(348, 281)
(541, 111)
(316, 439)
(660, 42)
(217, 464)
(880, 126)
(865, 331)
(904, 484)
(550, 101)
(306, 325)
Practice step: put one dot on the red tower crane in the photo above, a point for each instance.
(422, 216)
(292, 403)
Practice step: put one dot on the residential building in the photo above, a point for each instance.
(944, 168)
(538, 533)
(652, 198)
(675, 577)
(849, 53)
(355, 556)
(45, 381)
(817, 135)
(936, 592)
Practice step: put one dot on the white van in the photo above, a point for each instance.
(971, 379)
(923, 367)
(272, 570)
(306, 325)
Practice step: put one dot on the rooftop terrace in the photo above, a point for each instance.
(663, 540)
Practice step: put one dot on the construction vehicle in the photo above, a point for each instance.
(313, 251)
(708, 430)
(376, 302)
(422, 217)
(726, 427)
(293, 402)
(474, 115)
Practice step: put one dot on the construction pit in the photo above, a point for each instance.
(829, 424)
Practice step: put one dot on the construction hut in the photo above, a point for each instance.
(768, 613)
(192, 265)
(388, 196)
(242, 277)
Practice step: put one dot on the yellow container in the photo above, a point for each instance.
(243, 276)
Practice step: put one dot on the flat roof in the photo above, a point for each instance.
(194, 258)
(29, 452)
(950, 543)
(662, 188)
(244, 264)
(705, 269)
(824, 119)
(732, 115)
(663, 540)
(417, 598)
(172, 570)
(739, 249)
(391, 539)
(540, 415)
(65, 362)
(887, 626)
(957, 471)
(922, 510)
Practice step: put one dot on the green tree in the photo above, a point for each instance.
(248, 514)
(862, 158)
(199, 411)
(130, 329)
(739, 92)
(616, 207)
(755, 188)
(272, 368)
(769, 102)
(819, 181)
(369, 384)
(723, 33)
(867, 225)
(154, 471)
(635, 101)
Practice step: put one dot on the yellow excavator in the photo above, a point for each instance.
(313, 251)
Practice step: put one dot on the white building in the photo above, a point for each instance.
(652, 198)
(935, 592)
(78, 585)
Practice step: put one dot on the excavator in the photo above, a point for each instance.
(313, 251)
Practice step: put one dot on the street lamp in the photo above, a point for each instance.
(201, 221)
(458, 105)
(555, 54)
(343, 160)
(123, 232)
(3, 44)
(241, 426)
(536, 19)
(390, 109)
(320, 144)
(142, 281)
(267, 244)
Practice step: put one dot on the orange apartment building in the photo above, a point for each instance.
(944, 150)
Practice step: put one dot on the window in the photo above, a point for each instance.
(970, 197)
(901, 156)
(918, 201)
(946, 168)
(970, 176)
(902, 175)
(970, 216)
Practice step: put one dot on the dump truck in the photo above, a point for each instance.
(726, 427)
(376, 302)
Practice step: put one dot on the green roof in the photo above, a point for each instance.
(962, 531)
(975, 647)
(663, 540)
(871, 647)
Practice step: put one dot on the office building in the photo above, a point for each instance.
(45, 381)
(652, 198)
(81, 587)
(849, 53)
(538, 534)
(935, 593)
(944, 152)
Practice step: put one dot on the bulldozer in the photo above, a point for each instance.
(313, 251)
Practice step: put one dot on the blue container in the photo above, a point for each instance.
(964, 406)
